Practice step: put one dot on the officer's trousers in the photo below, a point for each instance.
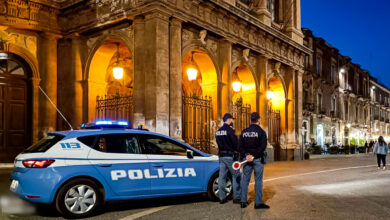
(225, 166)
(258, 167)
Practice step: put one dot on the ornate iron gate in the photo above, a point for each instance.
(116, 107)
(274, 132)
(197, 113)
(242, 115)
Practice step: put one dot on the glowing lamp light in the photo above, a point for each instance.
(342, 70)
(236, 86)
(270, 95)
(192, 73)
(118, 72)
(348, 125)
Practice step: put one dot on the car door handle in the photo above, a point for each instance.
(157, 165)
(105, 165)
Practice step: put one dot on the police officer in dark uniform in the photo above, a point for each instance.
(253, 142)
(227, 151)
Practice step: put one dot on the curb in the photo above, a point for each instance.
(6, 165)
(314, 157)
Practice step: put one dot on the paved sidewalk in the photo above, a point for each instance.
(324, 156)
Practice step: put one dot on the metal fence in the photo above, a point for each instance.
(197, 114)
(242, 115)
(116, 107)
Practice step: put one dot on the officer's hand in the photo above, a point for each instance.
(249, 158)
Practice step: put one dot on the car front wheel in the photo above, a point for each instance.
(78, 198)
(213, 191)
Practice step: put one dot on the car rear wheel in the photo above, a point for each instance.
(213, 191)
(78, 198)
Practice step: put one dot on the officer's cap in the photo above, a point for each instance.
(227, 116)
(255, 116)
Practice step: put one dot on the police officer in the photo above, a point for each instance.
(227, 149)
(253, 142)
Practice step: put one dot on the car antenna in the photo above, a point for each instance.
(59, 112)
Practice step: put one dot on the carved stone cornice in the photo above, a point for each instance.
(31, 15)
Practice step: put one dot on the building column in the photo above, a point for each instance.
(262, 12)
(293, 19)
(139, 77)
(35, 109)
(262, 102)
(70, 81)
(157, 72)
(47, 58)
(225, 84)
(175, 80)
(298, 154)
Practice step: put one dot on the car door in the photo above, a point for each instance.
(118, 159)
(171, 171)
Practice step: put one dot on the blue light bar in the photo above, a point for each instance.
(104, 122)
(124, 123)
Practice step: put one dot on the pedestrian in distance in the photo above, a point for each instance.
(381, 149)
(252, 144)
(228, 153)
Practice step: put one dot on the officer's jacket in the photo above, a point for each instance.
(253, 141)
(226, 140)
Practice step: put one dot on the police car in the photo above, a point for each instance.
(81, 169)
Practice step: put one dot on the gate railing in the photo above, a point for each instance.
(115, 107)
(242, 114)
(197, 114)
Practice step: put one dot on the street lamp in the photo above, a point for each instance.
(117, 70)
(270, 95)
(342, 70)
(236, 86)
(348, 125)
(192, 71)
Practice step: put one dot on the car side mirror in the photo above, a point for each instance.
(190, 154)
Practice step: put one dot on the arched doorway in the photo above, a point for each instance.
(15, 106)
(110, 83)
(243, 97)
(277, 116)
(200, 90)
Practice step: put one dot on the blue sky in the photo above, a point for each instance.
(360, 29)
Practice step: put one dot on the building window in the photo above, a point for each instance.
(319, 102)
(273, 8)
(318, 66)
(357, 114)
(332, 72)
(333, 105)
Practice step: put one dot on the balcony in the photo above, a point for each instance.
(308, 107)
(321, 111)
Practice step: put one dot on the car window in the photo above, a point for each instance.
(117, 143)
(88, 140)
(44, 144)
(158, 145)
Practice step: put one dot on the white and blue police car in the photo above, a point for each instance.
(106, 161)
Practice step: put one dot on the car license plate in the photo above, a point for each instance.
(14, 185)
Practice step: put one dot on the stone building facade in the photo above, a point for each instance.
(379, 103)
(337, 97)
(71, 49)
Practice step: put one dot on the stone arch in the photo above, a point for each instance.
(122, 38)
(276, 74)
(199, 46)
(97, 83)
(251, 69)
(28, 57)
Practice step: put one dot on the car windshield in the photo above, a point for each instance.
(44, 144)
